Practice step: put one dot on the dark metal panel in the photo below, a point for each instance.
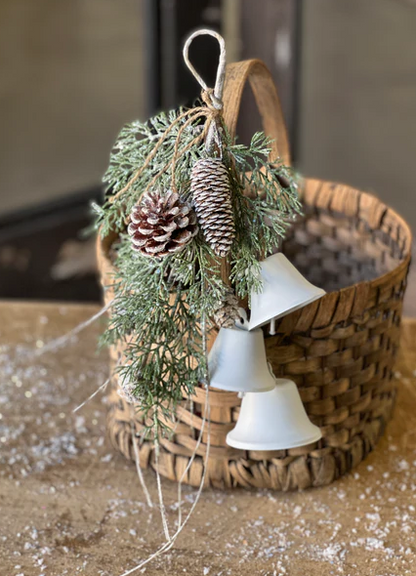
(167, 23)
(270, 30)
(151, 49)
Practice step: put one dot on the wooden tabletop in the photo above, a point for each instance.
(71, 505)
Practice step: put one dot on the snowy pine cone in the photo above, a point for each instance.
(161, 224)
(210, 186)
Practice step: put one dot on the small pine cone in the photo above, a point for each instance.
(228, 312)
(161, 224)
(210, 187)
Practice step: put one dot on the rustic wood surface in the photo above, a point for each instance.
(70, 504)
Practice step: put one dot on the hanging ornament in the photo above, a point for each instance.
(161, 224)
(273, 420)
(284, 290)
(210, 186)
(210, 182)
(186, 175)
(237, 362)
(228, 311)
(162, 311)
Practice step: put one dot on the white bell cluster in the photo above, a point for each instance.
(272, 416)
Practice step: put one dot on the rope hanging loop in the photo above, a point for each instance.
(215, 95)
(211, 96)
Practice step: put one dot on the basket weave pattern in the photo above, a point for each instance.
(339, 350)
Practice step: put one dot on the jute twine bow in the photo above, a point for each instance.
(212, 111)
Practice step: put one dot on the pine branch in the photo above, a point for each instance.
(163, 309)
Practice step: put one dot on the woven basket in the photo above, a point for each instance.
(340, 350)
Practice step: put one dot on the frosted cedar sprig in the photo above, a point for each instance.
(162, 302)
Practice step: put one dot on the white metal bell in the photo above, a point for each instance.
(274, 420)
(237, 361)
(284, 290)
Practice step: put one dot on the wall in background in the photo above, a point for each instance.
(70, 77)
(358, 97)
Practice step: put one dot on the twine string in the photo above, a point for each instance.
(159, 485)
(181, 525)
(194, 113)
(62, 341)
(207, 412)
(177, 153)
(137, 459)
(169, 544)
(155, 150)
(102, 387)
(217, 92)
(214, 95)
(211, 97)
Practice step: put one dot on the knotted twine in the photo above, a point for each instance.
(212, 111)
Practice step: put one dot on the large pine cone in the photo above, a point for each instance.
(161, 224)
(210, 187)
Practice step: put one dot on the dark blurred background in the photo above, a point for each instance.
(73, 71)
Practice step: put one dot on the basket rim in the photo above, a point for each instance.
(364, 204)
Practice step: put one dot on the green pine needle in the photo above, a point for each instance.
(163, 308)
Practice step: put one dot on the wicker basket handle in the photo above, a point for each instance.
(267, 100)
